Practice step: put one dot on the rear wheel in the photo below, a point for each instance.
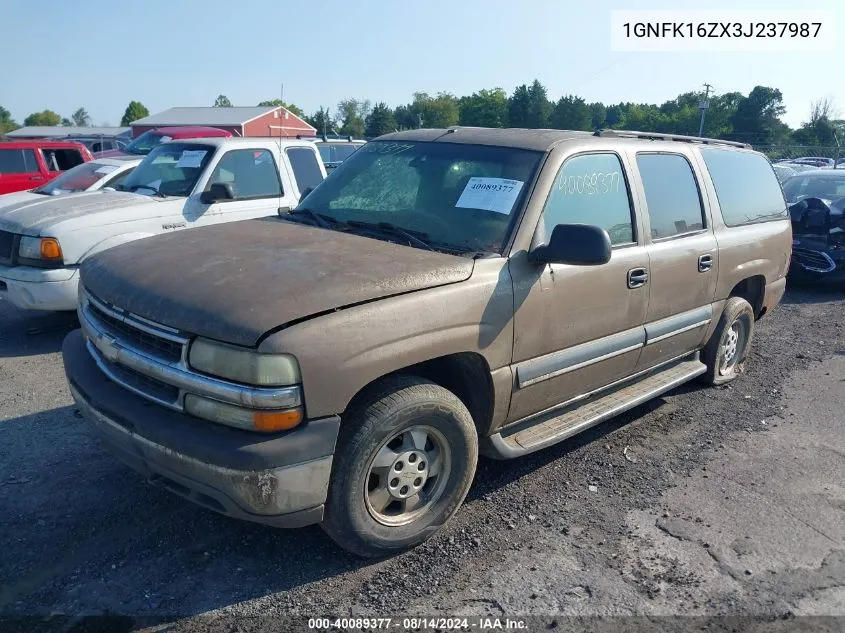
(404, 463)
(727, 349)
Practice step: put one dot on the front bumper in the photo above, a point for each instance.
(33, 288)
(817, 264)
(277, 479)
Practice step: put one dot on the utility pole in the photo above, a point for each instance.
(419, 119)
(703, 105)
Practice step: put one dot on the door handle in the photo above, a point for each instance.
(705, 263)
(36, 177)
(637, 277)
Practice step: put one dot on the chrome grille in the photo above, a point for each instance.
(815, 261)
(165, 349)
(151, 360)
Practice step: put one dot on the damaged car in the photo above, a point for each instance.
(817, 208)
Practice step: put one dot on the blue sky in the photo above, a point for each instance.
(100, 55)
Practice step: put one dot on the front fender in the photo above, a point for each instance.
(114, 240)
(341, 352)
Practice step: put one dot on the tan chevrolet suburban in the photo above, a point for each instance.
(442, 293)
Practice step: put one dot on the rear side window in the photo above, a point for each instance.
(746, 186)
(17, 161)
(591, 189)
(61, 159)
(671, 193)
(305, 167)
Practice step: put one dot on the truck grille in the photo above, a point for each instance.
(815, 261)
(151, 360)
(7, 247)
(163, 348)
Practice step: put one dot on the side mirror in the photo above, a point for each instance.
(576, 244)
(305, 193)
(216, 192)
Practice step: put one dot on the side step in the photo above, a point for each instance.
(561, 423)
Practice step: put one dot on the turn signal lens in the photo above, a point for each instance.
(50, 248)
(266, 421)
(276, 420)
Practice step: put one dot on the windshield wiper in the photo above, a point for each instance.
(417, 238)
(155, 191)
(320, 219)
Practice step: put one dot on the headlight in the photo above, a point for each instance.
(239, 417)
(243, 365)
(46, 248)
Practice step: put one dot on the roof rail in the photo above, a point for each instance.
(657, 136)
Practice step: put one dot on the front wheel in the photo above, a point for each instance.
(405, 461)
(727, 349)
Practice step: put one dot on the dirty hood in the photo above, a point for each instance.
(235, 282)
(33, 216)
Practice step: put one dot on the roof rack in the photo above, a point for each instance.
(657, 136)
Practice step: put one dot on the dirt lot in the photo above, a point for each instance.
(712, 502)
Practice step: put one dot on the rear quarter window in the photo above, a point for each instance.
(746, 186)
(17, 161)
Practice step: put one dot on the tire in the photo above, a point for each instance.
(356, 516)
(722, 367)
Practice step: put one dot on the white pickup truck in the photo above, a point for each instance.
(179, 185)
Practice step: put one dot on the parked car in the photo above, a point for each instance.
(783, 172)
(335, 150)
(147, 141)
(817, 209)
(91, 176)
(799, 167)
(97, 144)
(447, 292)
(815, 161)
(179, 185)
(28, 164)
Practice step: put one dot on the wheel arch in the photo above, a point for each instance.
(465, 374)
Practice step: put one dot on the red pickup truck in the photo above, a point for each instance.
(144, 144)
(28, 164)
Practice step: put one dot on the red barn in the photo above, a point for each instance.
(258, 121)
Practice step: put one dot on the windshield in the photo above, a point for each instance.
(77, 179)
(171, 169)
(145, 143)
(456, 195)
(813, 186)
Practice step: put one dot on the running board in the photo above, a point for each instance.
(544, 430)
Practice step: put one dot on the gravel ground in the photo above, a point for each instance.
(709, 501)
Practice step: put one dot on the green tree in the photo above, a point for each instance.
(45, 117)
(539, 106)
(7, 124)
(757, 116)
(222, 101)
(571, 113)
(379, 121)
(405, 119)
(485, 108)
(821, 128)
(351, 114)
(81, 118)
(436, 112)
(321, 120)
(134, 111)
(598, 115)
(66, 122)
(519, 105)
(290, 107)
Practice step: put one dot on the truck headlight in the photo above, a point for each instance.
(239, 417)
(243, 365)
(46, 248)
